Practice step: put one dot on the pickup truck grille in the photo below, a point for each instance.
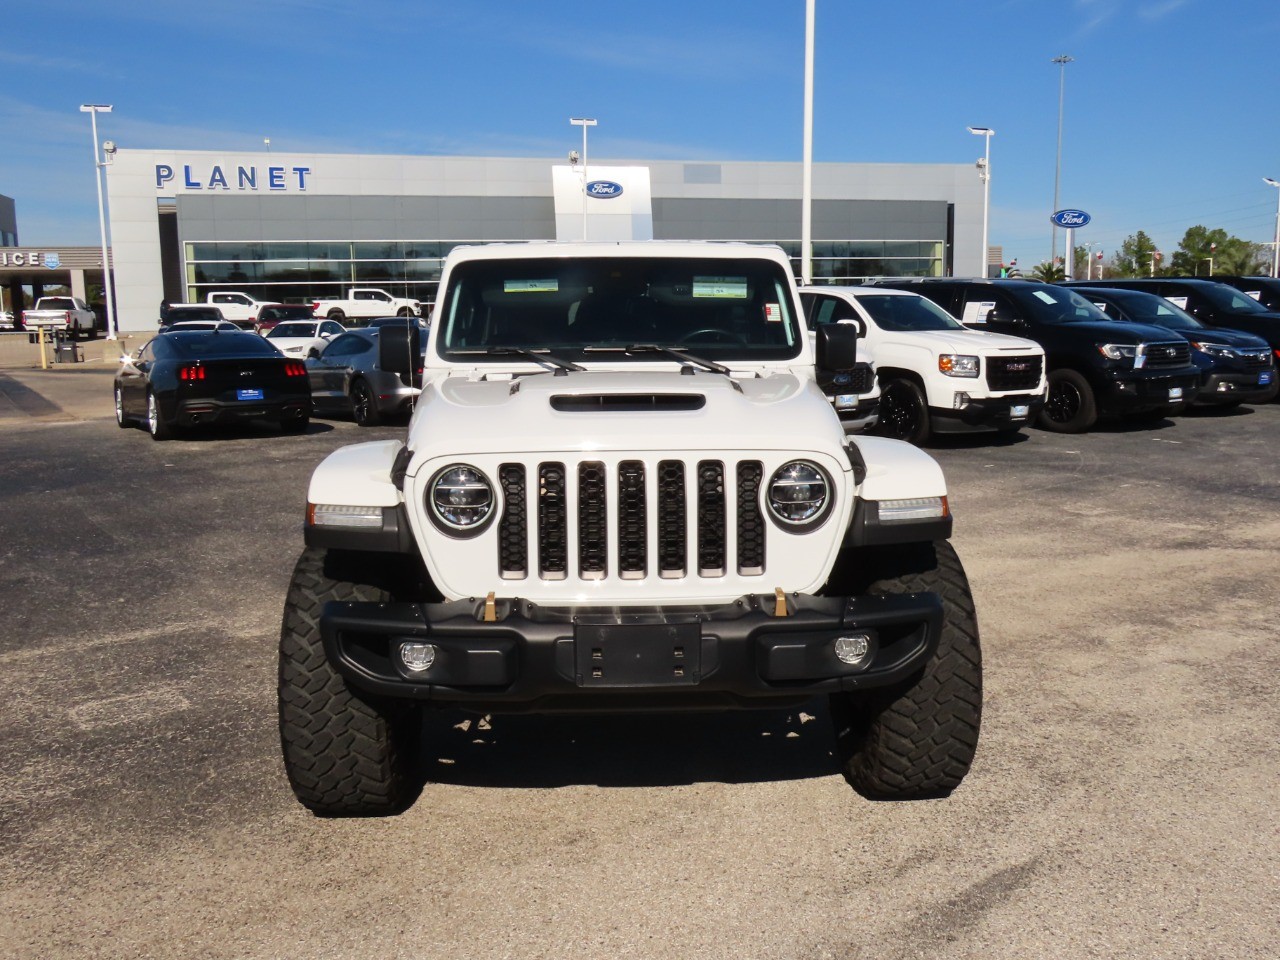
(1168, 354)
(1014, 373)
(1256, 359)
(645, 533)
(861, 379)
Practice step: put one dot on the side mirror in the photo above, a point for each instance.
(837, 346)
(326, 336)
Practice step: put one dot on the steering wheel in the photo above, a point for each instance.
(716, 332)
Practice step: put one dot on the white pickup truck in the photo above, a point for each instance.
(366, 303)
(936, 375)
(242, 309)
(62, 313)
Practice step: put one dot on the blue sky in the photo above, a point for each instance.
(1170, 117)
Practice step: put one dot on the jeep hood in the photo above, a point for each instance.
(640, 411)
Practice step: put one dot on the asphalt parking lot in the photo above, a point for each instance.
(1123, 802)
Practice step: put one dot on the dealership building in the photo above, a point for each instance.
(301, 227)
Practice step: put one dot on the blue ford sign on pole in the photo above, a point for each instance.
(1070, 219)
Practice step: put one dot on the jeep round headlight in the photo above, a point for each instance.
(460, 500)
(799, 495)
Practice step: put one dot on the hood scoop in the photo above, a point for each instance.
(627, 402)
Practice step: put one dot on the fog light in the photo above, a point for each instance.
(1224, 386)
(417, 656)
(960, 401)
(853, 649)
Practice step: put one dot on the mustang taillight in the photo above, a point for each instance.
(191, 371)
(293, 368)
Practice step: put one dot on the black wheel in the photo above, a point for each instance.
(404, 312)
(364, 405)
(122, 421)
(345, 753)
(904, 412)
(336, 315)
(917, 740)
(313, 354)
(156, 425)
(1071, 407)
(295, 424)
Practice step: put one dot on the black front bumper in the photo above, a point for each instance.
(1138, 391)
(1237, 388)
(532, 658)
(986, 413)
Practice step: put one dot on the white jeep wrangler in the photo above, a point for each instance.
(624, 490)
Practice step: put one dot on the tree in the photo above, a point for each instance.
(1049, 272)
(1134, 258)
(1230, 255)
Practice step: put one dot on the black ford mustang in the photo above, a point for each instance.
(179, 380)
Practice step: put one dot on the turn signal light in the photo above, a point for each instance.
(191, 371)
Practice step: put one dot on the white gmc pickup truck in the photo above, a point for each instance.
(366, 303)
(624, 489)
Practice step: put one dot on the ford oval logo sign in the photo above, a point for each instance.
(604, 189)
(1071, 218)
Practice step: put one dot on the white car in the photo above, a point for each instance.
(936, 375)
(304, 338)
(623, 489)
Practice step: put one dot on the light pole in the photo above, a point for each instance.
(583, 122)
(93, 109)
(985, 172)
(1088, 258)
(806, 188)
(1062, 62)
(1275, 257)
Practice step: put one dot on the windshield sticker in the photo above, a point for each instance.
(721, 288)
(1256, 294)
(977, 312)
(530, 286)
(1179, 302)
(1045, 297)
(773, 312)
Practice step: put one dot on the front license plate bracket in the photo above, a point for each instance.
(637, 654)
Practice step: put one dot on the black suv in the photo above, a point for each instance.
(1214, 304)
(1235, 367)
(1098, 367)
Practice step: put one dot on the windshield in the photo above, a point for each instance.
(1229, 299)
(911, 313)
(285, 313)
(718, 308)
(281, 330)
(1049, 304)
(1149, 308)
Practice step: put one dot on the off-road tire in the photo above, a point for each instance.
(336, 315)
(917, 740)
(904, 412)
(1071, 406)
(346, 753)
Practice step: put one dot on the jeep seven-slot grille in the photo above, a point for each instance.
(1168, 354)
(1014, 373)
(647, 535)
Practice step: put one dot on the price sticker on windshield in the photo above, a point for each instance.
(773, 313)
(530, 286)
(720, 288)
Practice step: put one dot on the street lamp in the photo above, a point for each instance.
(583, 122)
(1088, 258)
(93, 109)
(1062, 62)
(806, 166)
(1275, 261)
(984, 168)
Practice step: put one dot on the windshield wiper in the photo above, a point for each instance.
(562, 367)
(678, 353)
